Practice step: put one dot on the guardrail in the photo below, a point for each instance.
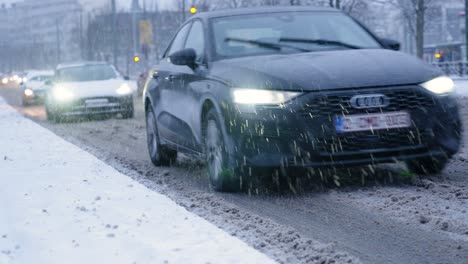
(457, 68)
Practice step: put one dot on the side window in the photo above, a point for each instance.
(179, 40)
(196, 41)
(34, 79)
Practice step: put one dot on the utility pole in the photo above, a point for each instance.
(57, 35)
(135, 10)
(466, 31)
(183, 11)
(420, 20)
(114, 33)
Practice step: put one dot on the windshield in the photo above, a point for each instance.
(271, 33)
(85, 73)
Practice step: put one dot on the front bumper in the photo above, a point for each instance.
(303, 134)
(110, 105)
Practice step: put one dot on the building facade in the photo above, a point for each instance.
(42, 33)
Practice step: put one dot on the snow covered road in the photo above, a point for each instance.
(60, 204)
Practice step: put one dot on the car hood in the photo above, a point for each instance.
(93, 88)
(325, 70)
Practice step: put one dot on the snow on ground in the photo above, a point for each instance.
(461, 86)
(60, 204)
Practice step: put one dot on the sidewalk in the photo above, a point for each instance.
(60, 204)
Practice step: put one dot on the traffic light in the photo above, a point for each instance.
(136, 59)
(193, 10)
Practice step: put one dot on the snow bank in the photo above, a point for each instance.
(60, 204)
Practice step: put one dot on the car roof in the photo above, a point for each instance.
(81, 64)
(260, 10)
(35, 73)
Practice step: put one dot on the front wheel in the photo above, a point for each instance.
(52, 115)
(128, 113)
(159, 155)
(224, 174)
(427, 166)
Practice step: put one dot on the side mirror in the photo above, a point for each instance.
(126, 78)
(185, 57)
(390, 44)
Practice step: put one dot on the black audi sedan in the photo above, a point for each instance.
(295, 87)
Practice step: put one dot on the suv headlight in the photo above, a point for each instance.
(441, 85)
(261, 97)
(62, 95)
(124, 89)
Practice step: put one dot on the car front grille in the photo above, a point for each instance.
(110, 99)
(362, 141)
(320, 110)
(339, 103)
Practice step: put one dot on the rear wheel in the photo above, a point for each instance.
(159, 155)
(427, 166)
(224, 174)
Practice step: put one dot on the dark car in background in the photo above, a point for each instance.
(295, 87)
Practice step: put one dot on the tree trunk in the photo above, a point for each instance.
(420, 28)
(335, 4)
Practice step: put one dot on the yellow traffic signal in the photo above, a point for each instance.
(193, 10)
(136, 59)
(438, 55)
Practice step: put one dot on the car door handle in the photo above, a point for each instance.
(170, 78)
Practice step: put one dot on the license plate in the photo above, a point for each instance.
(368, 122)
(96, 102)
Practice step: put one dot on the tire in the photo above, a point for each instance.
(49, 114)
(223, 171)
(24, 102)
(129, 112)
(53, 116)
(427, 166)
(159, 155)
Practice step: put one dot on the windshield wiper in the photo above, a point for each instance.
(263, 44)
(323, 42)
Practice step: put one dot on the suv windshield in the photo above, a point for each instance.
(85, 73)
(270, 33)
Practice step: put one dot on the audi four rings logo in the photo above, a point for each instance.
(369, 101)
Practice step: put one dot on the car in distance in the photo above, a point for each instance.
(89, 88)
(295, 87)
(33, 86)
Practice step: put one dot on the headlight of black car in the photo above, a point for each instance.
(441, 85)
(245, 96)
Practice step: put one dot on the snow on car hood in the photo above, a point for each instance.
(325, 70)
(93, 88)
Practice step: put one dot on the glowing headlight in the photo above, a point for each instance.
(124, 89)
(262, 97)
(5, 80)
(62, 95)
(28, 92)
(24, 79)
(440, 85)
